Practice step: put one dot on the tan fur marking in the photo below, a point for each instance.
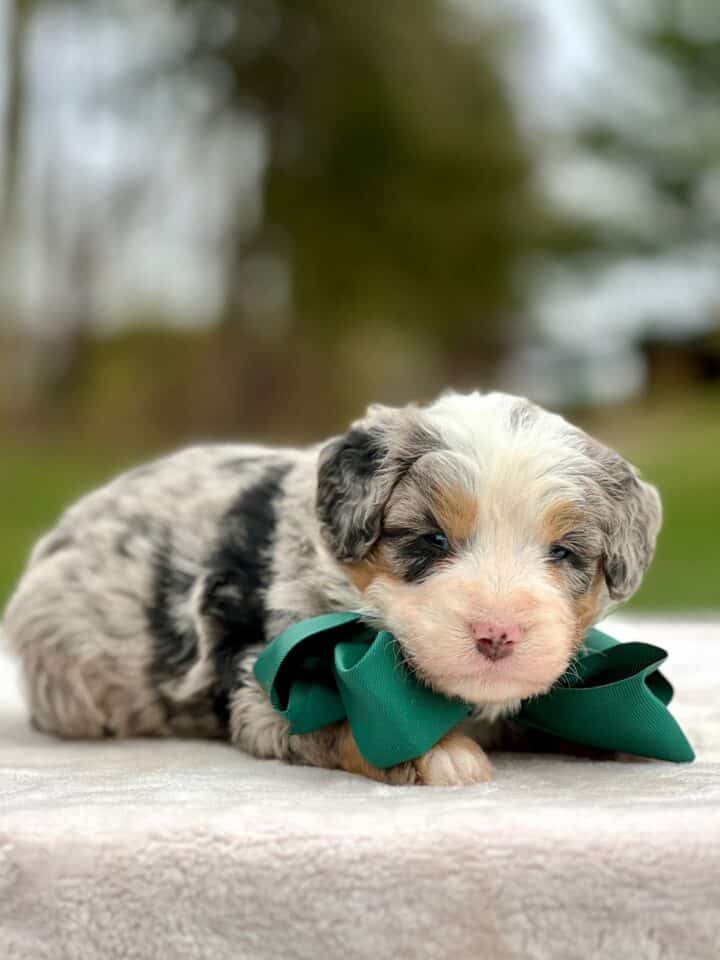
(560, 519)
(453, 761)
(351, 760)
(360, 573)
(586, 607)
(456, 509)
(363, 572)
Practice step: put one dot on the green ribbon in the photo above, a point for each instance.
(333, 667)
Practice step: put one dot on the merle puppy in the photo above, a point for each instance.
(485, 533)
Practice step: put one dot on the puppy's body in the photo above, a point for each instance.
(149, 590)
(143, 611)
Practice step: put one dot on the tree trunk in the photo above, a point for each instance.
(18, 18)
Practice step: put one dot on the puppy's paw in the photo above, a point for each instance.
(456, 761)
(351, 760)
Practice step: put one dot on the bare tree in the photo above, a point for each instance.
(18, 17)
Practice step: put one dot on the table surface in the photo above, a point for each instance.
(80, 800)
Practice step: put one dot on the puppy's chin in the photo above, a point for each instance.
(429, 620)
(490, 687)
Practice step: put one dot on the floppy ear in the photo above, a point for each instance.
(631, 521)
(358, 470)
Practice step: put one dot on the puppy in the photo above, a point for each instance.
(486, 534)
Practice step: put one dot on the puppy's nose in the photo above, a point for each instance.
(494, 640)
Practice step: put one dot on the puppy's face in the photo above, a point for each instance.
(487, 535)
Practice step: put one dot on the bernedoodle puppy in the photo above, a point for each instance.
(486, 534)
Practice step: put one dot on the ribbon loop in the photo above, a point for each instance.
(333, 667)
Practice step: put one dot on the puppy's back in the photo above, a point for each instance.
(103, 614)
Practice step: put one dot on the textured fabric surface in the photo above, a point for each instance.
(176, 849)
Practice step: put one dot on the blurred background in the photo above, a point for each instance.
(249, 218)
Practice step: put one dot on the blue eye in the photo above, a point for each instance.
(558, 552)
(438, 541)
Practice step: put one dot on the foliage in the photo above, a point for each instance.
(36, 482)
(397, 184)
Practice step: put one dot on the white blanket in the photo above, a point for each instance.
(171, 849)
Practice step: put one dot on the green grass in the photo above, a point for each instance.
(676, 444)
(36, 483)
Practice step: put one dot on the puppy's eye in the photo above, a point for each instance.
(557, 553)
(438, 541)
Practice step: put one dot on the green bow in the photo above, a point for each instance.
(333, 667)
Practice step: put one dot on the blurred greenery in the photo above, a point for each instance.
(250, 218)
(36, 483)
(675, 443)
(394, 206)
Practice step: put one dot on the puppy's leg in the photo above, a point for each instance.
(256, 728)
(84, 649)
(454, 761)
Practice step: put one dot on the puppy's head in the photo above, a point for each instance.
(486, 534)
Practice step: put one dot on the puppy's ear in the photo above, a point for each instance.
(631, 521)
(358, 470)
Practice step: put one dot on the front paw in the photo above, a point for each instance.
(455, 761)
(351, 760)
